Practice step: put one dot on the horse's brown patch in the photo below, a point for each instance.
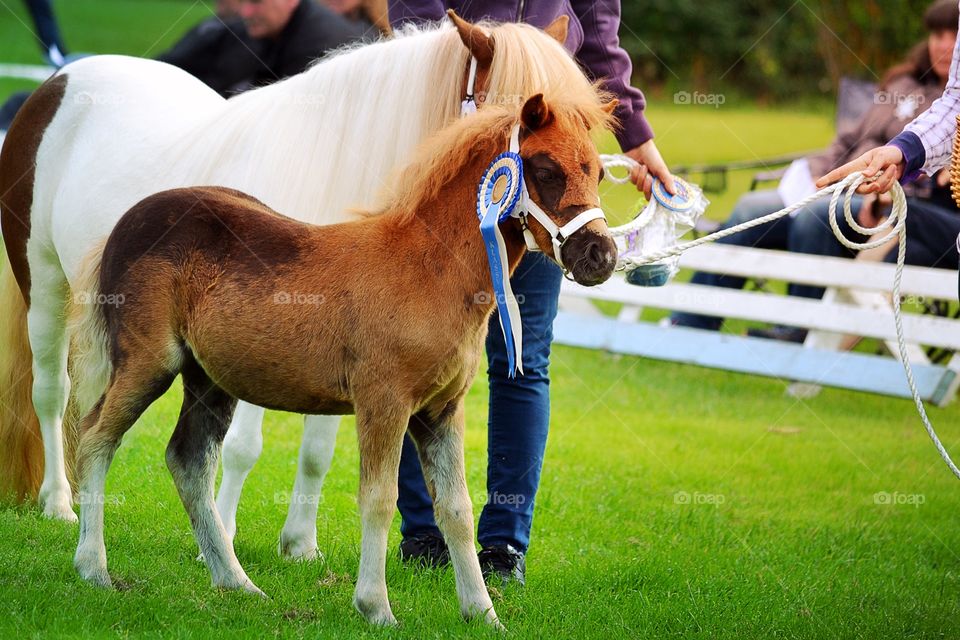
(18, 164)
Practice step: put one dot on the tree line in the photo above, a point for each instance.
(773, 50)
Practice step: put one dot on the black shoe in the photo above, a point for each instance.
(502, 562)
(427, 549)
(779, 332)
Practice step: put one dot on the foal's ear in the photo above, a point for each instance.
(535, 113)
(478, 41)
(558, 28)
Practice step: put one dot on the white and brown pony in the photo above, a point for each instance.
(204, 282)
(107, 131)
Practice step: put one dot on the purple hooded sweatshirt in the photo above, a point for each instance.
(593, 39)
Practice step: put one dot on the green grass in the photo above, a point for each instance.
(675, 501)
(781, 537)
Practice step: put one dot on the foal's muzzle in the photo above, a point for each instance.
(591, 256)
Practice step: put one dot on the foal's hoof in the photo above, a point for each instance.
(298, 550)
(377, 613)
(97, 576)
(59, 509)
(253, 589)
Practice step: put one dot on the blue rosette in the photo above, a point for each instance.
(497, 197)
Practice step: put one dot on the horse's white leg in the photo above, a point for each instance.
(241, 449)
(298, 538)
(441, 455)
(381, 438)
(46, 325)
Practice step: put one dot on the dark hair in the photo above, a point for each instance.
(917, 64)
(942, 15)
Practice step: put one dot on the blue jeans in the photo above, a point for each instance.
(806, 232)
(48, 33)
(517, 423)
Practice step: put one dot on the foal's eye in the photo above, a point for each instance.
(545, 175)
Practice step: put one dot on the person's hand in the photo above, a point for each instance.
(874, 210)
(885, 164)
(943, 178)
(651, 165)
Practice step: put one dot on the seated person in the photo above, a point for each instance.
(267, 41)
(906, 90)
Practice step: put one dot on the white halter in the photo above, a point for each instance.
(526, 206)
(559, 235)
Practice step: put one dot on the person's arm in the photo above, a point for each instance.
(604, 59)
(415, 11)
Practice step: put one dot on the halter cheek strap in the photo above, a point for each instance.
(469, 103)
(558, 235)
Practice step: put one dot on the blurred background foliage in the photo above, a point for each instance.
(771, 51)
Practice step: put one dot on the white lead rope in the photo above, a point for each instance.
(846, 188)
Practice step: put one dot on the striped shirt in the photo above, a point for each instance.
(927, 142)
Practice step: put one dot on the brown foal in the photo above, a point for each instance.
(384, 316)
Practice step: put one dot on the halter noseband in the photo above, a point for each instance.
(527, 207)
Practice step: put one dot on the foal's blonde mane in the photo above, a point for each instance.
(326, 140)
(444, 156)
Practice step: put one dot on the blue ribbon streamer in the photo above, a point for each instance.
(505, 166)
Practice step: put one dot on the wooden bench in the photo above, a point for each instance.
(856, 302)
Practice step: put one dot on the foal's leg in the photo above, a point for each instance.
(380, 435)
(46, 325)
(241, 449)
(298, 539)
(192, 458)
(440, 445)
(127, 396)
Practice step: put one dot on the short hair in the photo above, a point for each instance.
(942, 15)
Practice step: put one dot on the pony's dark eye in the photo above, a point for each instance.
(545, 175)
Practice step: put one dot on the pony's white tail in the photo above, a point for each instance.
(89, 362)
(21, 446)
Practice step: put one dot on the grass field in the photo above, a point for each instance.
(675, 502)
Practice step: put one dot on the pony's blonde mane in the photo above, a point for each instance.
(444, 156)
(326, 140)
